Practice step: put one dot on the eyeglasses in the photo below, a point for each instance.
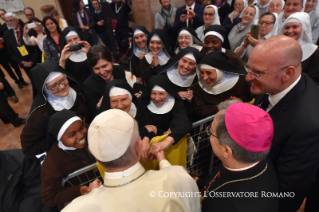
(209, 14)
(55, 87)
(265, 22)
(208, 132)
(259, 74)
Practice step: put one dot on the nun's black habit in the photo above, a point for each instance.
(134, 56)
(144, 69)
(206, 99)
(61, 162)
(233, 58)
(80, 70)
(176, 118)
(197, 43)
(33, 136)
(142, 114)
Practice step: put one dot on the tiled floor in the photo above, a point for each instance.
(9, 135)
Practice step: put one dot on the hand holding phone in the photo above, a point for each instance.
(32, 25)
(75, 47)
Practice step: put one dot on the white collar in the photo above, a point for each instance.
(274, 99)
(241, 169)
(182, 81)
(78, 56)
(192, 6)
(137, 51)
(125, 173)
(165, 108)
(162, 57)
(62, 146)
(133, 110)
(60, 103)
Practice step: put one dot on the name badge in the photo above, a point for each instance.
(23, 51)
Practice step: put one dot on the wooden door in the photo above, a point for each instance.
(67, 9)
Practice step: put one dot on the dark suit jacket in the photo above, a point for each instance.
(295, 148)
(197, 20)
(12, 45)
(20, 182)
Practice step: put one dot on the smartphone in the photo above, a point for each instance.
(75, 47)
(254, 31)
(184, 11)
(32, 25)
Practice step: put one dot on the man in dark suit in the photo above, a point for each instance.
(292, 103)
(190, 15)
(26, 56)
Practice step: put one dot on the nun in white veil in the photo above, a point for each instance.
(310, 52)
(235, 17)
(210, 17)
(286, 12)
(276, 6)
(239, 32)
(268, 28)
(313, 11)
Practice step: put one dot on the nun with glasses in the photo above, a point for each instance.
(219, 80)
(57, 90)
(156, 58)
(276, 6)
(187, 37)
(216, 40)
(139, 47)
(297, 26)
(238, 33)
(210, 17)
(74, 62)
(268, 28)
(234, 17)
(67, 152)
(119, 95)
(167, 113)
(181, 73)
(312, 8)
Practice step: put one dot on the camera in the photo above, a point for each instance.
(75, 47)
(32, 25)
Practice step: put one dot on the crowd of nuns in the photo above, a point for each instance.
(165, 87)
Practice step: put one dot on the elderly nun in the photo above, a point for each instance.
(219, 80)
(57, 90)
(312, 8)
(238, 33)
(74, 62)
(268, 28)
(297, 26)
(234, 17)
(276, 6)
(211, 17)
(67, 152)
(167, 112)
(216, 41)
(187, 37)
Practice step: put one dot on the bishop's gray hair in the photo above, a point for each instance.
(239, 153)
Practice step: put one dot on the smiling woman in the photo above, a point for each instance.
(67, 153)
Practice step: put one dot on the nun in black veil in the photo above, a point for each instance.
(156, 58)
(167, 113)
(118, 94)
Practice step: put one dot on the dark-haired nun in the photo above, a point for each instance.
(216, 40)
(57, 90)
(67, 152)
(187, 37)
(167, 113)
(139, 47)
(118, 94)
(181, 73)
(156, 58)
(219, 80)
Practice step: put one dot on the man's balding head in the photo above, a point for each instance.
(280, 69)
